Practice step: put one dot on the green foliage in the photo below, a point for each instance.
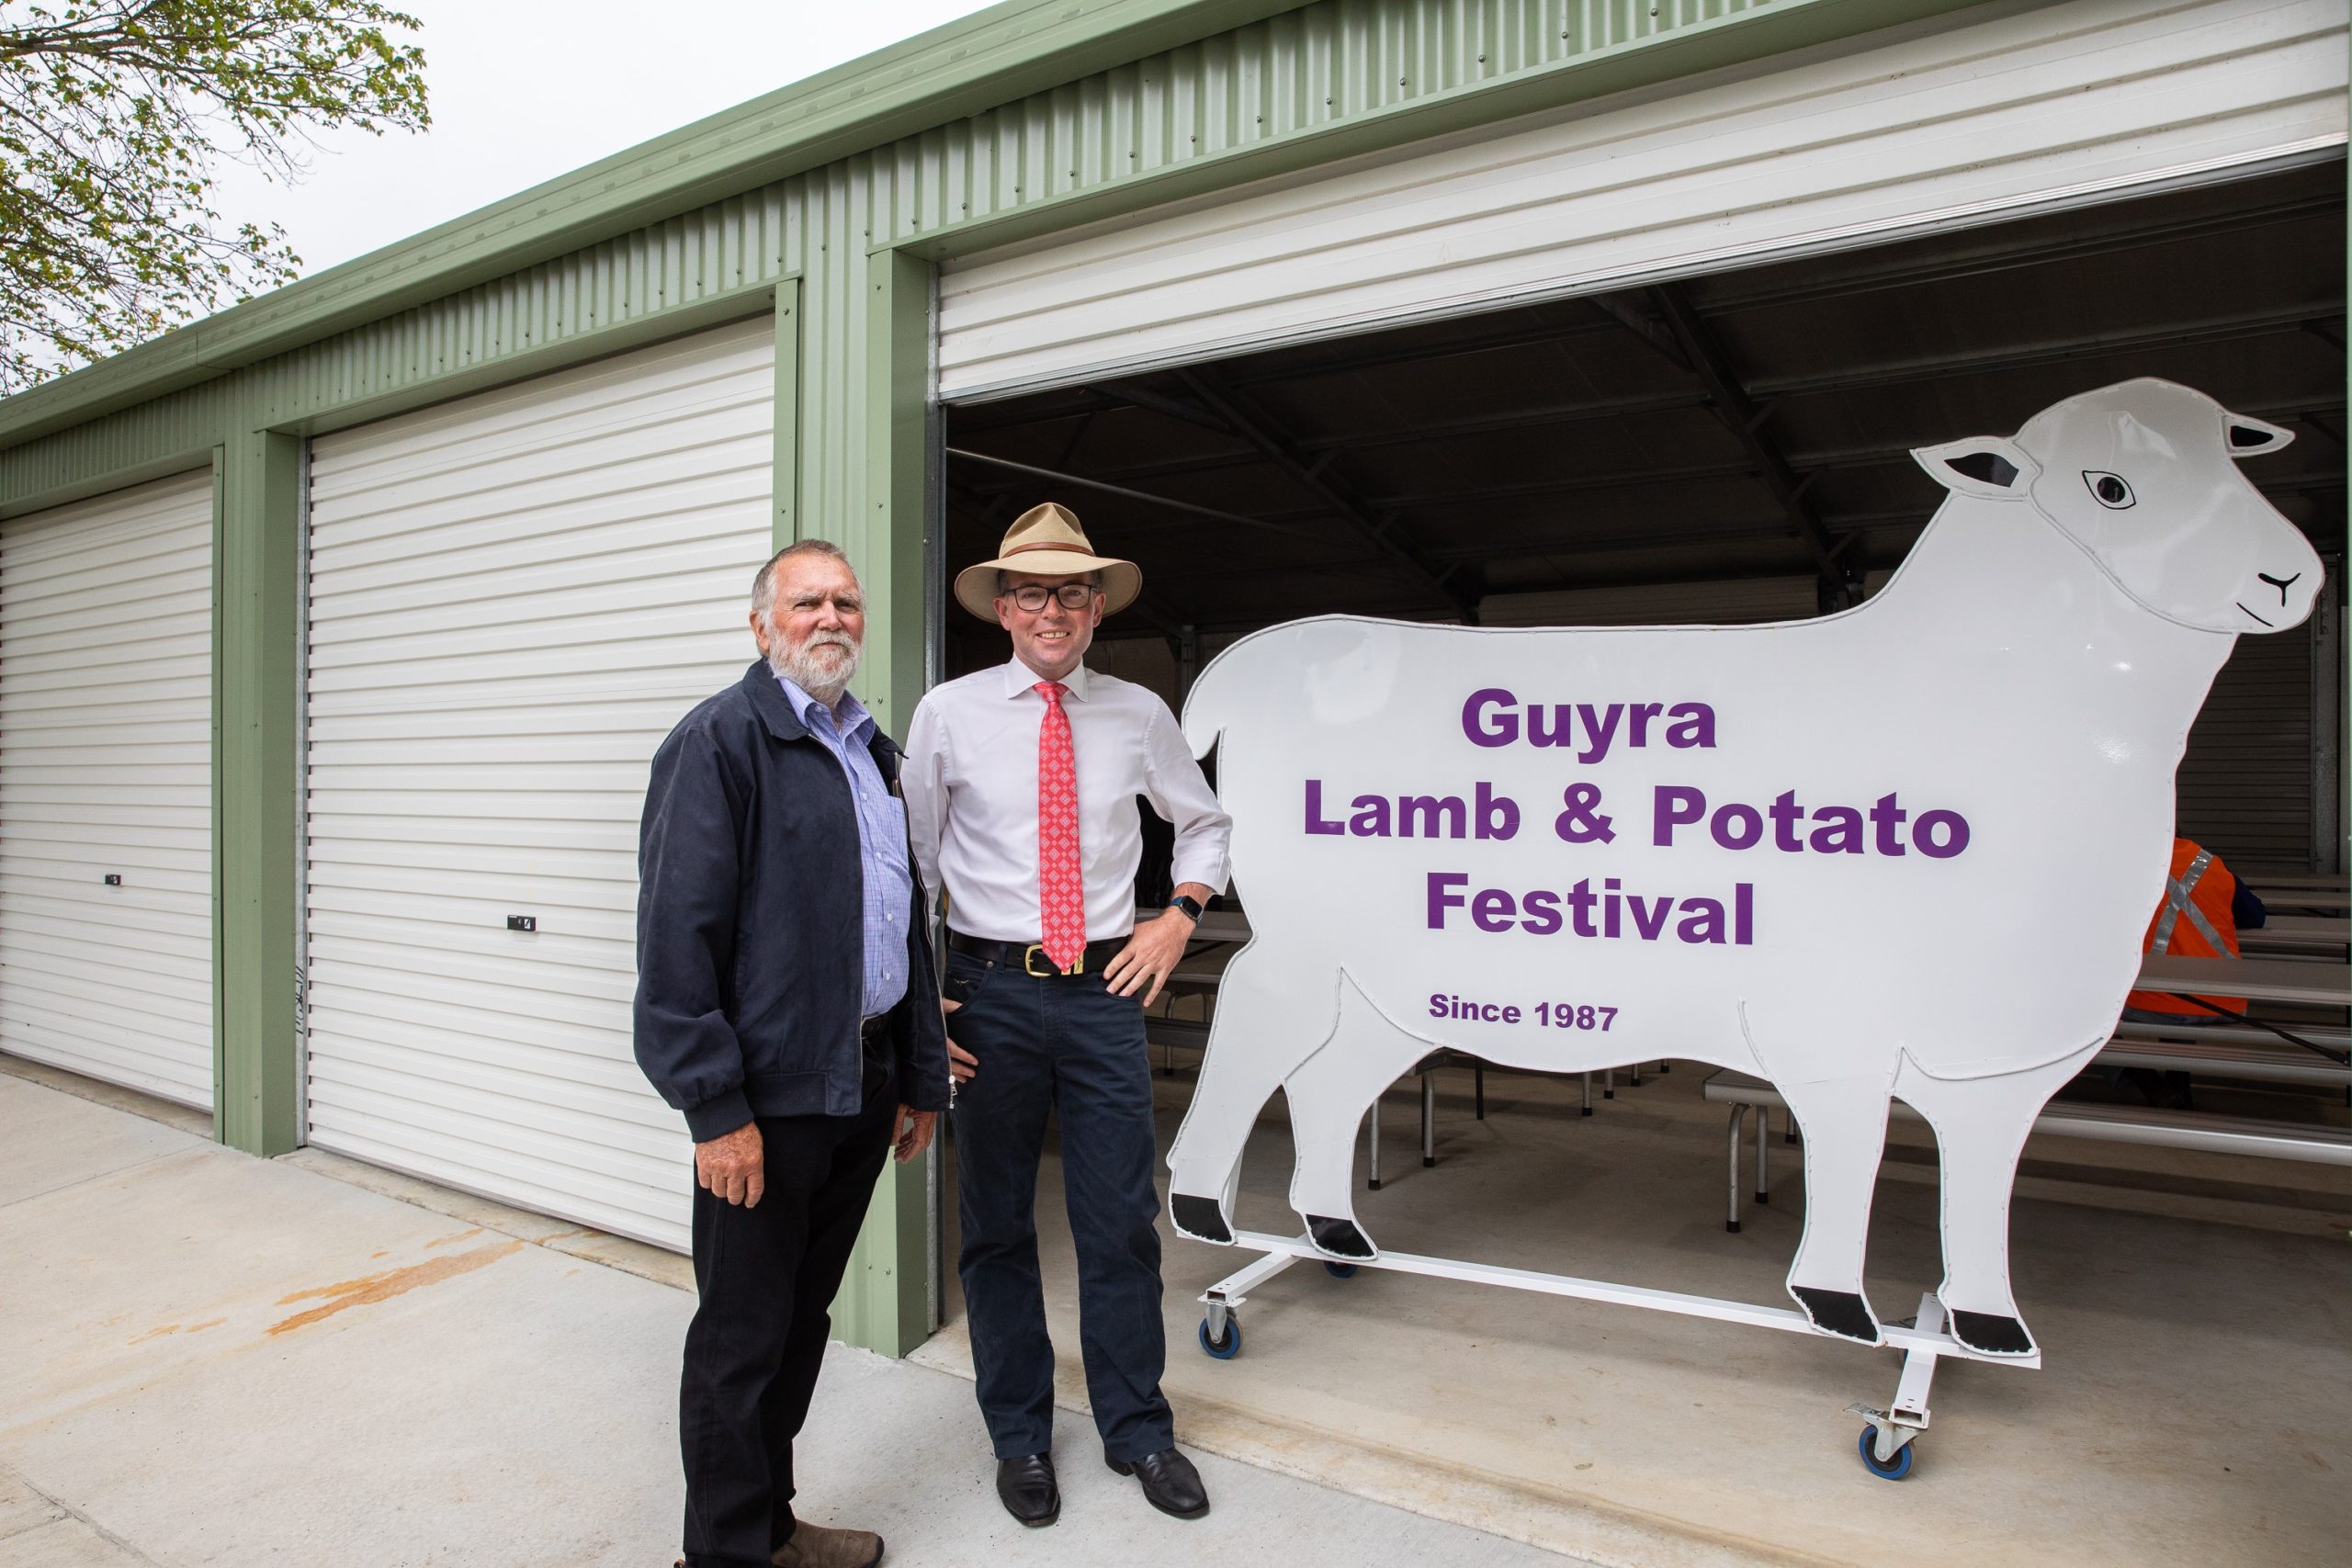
(113, 117)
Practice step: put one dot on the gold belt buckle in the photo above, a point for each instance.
(1029, 967)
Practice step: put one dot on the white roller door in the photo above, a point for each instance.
(513, 598)
(106, 788)
(2034, 107)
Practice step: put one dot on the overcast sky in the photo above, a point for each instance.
(523, 90)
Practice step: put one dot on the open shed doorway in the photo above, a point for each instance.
(1727, 448)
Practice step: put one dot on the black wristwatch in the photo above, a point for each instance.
(1190, 906)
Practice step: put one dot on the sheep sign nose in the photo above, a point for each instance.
(2282, 584)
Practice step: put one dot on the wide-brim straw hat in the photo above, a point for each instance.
(1046, 540)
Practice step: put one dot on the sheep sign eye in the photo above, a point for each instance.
(2109, 489)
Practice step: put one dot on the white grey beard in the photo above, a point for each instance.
(826, 683)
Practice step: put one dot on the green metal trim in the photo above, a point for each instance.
(786, 493)
(992, 57)
(220, 992)
(621, 337)
(206, 456)
(257, 765)
(884, 1300)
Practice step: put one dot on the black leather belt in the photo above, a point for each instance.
(874, 1032)
(1029, 957)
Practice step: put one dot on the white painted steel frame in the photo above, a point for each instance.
(1282, 1251)
(1922, 1342)
(514, 598)
(106, 770)
(2029, 108)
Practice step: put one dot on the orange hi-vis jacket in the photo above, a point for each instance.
(2193, 921)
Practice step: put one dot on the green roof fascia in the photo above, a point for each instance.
(961, 69)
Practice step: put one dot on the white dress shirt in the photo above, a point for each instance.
(971, 782)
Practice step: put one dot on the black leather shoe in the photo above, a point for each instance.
(1025, 1485)
(1169, 1483)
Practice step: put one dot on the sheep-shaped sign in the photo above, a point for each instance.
(1903, 850)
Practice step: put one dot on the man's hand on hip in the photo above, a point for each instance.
(1150, 956)
(733, 1165)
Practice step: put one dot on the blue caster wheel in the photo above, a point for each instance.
(1340, 1270)
(1224, 1349)
(1894, 1470)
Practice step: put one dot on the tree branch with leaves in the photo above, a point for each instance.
(114, 116)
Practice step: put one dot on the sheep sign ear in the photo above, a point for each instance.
(1981, 466)
(2251, 437)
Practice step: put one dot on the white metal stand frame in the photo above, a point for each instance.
(1885, 1443)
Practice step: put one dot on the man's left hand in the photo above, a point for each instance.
(914, 1129)
(1151, 953)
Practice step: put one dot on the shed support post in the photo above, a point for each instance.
(258, 790)
(885, 525)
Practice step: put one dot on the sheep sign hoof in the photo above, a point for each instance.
(1990, 1334)
(1841, 1313)
(1201, 1218)
(1906, 851)
(1339, 1238)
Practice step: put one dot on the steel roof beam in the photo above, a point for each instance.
(1635, 320)
(2254, 323)
(1169, 408)
(1555, 414)
(2318, 319)
(1259, 430)
(1037, 408)
(2217, 328)
(1568, 413)
(1645, 538)
(1170, 502)
(1740, 416)
(1526, 419)
(1804, 464)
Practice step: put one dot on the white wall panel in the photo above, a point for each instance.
(513, 599)
(105, 769)
(2033, 107)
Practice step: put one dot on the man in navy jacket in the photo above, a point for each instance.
(785, 1004)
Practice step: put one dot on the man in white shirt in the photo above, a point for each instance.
(1021, 783)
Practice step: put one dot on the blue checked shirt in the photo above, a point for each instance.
(881, 842)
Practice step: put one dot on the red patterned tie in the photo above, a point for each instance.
(1061, 890)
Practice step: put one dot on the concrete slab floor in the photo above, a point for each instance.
(211, 1359)
(2195, 1313)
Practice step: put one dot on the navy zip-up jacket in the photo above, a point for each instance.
(749, 920)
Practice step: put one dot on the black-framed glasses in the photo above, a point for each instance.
(1031, 596)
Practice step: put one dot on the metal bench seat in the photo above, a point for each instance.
(2108, 1123)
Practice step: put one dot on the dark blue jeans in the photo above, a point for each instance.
(1062, 1044)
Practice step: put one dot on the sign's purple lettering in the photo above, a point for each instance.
(1493, 715)
(1548, 1014)
(1836, 829)
(1611, 914)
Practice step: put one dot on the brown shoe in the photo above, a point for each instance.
(814, 1546)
